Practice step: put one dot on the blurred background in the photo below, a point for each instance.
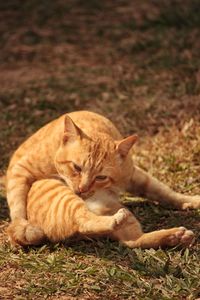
(136, 62)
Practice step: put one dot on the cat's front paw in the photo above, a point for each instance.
(180, 236)
(120, 217)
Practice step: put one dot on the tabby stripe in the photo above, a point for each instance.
(41, 183)
(71, 202)
(59, 229)
(39, 169)
(26, 168)
(63, 161)
(55, 206)
(64, 212)
(15, 182)
(44, 190)
(72, 209)
(19, 191)
(48, 218)
(77, 207)
(62, 206)
(51, 198)
(30, 162)
(44, 210)
(17, 177)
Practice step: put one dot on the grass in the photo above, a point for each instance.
(139, 66)
(116, 271)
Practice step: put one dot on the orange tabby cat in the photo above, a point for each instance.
(88, 153)
(56, 213)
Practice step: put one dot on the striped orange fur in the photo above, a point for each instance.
(88, 152)
(56, 213)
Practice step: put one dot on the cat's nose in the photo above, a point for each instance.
(82, 190)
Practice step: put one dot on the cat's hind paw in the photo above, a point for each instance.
(22, 233)
(180, 236)
(120, 217)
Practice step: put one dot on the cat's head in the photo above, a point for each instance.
(89, 163)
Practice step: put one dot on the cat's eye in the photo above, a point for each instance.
(101, 177)
(77, 168)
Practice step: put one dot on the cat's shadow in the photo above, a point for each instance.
(4, 210)
(107, 252)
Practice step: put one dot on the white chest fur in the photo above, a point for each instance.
(103, 203)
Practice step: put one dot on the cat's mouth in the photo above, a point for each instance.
(85, 195)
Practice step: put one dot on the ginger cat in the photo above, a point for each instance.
(95, 162)
(56, 213)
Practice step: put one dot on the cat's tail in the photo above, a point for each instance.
(22, 233)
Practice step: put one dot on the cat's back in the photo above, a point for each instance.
(88, 121)
(50, 134)
(93, 123)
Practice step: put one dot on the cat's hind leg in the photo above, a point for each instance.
(145, 185)
(163, 238)
(131, 234)
(22, 233)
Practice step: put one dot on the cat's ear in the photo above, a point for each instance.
(126, 144)
(71, 130)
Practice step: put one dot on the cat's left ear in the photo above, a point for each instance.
(71, 130)
(124, 146)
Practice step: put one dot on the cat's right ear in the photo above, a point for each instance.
(124, 146)
(71, 130)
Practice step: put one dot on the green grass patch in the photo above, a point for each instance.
(104, 269)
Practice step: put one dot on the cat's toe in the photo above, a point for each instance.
(181, 236)
(174, 238)
(121, 216)
(187, 238)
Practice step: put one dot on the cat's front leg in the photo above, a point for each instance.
(19, 180)
(20, 177)
(92, 224)
(145, 185)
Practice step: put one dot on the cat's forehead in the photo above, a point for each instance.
(99, 148)
(97, 153)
